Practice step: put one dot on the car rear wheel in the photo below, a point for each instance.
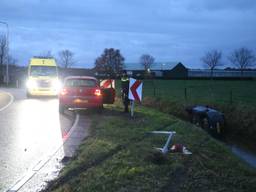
(99, 109)
(28, 95)
(61, 109)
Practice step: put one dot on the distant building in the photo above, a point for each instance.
(75, 72)
(167, 70)
(177, 72)
(220, 74)
(17, 75)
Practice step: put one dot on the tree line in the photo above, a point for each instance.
(242, 58)
(65, 57)
(111, 61)
(4, 56)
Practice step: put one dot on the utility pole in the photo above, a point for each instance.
(7, 51)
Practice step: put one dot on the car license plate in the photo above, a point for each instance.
(80, 101)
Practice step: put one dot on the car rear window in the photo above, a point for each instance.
(80, 83)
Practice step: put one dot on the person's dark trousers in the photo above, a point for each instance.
(126, 107)
(126, 104)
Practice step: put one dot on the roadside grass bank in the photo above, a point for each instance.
(235, 98)
(240, 120)
(119, 156)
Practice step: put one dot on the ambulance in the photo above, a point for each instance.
(42, 77)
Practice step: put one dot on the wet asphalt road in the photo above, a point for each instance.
(29, 130)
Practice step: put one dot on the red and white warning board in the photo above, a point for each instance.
(107, 83)
(135, 90)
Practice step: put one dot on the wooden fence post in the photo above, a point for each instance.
(231, 97)
(185, 94)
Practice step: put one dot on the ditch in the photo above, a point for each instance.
(243, 149)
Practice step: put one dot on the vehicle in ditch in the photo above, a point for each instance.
(208, 118)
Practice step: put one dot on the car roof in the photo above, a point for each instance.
(80, 77)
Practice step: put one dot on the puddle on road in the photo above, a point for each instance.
(50, 176)
(57, 161)
(48, 173)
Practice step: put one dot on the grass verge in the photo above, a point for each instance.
(119, 156)
(240, 119)
(234, 98)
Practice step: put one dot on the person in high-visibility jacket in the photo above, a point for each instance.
(125, 91)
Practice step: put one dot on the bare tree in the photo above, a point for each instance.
(66, 58)
(3, 49)
(212, 60)
(147, 61)
(46, 54)
(11, 60)
(111, 62)
(3, 54)
(242, 58)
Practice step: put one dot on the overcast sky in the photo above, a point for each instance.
(169, 30)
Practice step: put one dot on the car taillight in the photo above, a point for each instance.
(64, 92)
(97, 92)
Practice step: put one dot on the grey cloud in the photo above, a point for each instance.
(168, 29)
(238, 5)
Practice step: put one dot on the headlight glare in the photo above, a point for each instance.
(31, 84)
(56, 84)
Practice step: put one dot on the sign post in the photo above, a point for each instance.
(132, 108)
(135, 92)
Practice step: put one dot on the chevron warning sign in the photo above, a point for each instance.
(135, 90)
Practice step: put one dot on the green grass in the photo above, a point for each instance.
(119, 156)
(236, 99)
(205, 91)
(202, 91)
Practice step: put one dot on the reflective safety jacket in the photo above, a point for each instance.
(125, 85)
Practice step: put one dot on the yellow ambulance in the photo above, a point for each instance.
(42, 77)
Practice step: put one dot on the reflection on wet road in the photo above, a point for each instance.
(30, 129)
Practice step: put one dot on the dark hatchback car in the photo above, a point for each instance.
(208, 118)
(83, 92)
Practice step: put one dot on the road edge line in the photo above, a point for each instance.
(30, 173)
(10, 102)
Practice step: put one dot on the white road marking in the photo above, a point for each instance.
(41, 163)
(10, 102)
(72, 128)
